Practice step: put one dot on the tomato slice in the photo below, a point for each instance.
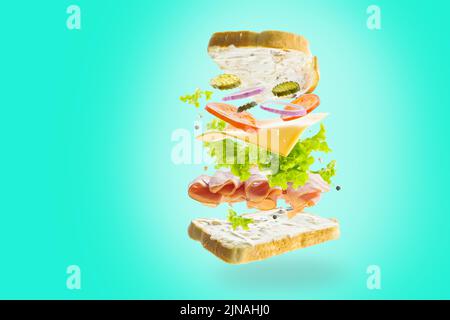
(308, 101)
(228, 113)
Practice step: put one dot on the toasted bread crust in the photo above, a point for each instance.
(269, 39)
(315, 77)
(239, 255)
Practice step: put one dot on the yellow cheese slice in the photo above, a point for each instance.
(277, 136)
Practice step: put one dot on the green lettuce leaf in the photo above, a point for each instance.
(328, 172)
(196, 96)
(238, 221)
(294, 168)
(216, 125)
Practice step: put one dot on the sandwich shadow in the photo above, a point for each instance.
(288, 272)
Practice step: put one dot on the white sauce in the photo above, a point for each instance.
(267, 67)
(263, 229)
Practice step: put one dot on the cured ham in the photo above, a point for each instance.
(257, 187)
(307, 195)
(199, 190)
(223, 186)
(224, 183)
(259, 194)
(238, 196)
(267, 203)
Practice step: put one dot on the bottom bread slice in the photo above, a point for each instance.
(271, 233)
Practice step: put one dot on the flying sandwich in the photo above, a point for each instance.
(262, 153)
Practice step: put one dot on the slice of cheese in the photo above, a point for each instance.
(277, 136)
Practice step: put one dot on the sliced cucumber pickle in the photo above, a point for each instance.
(286, 88)
(225, 82)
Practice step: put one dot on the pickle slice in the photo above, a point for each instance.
(225, 82)
(246, 106)
(286, 88)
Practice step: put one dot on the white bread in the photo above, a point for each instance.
(266, 236)
(265, 59)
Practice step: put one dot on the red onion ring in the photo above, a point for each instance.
(244, 94)
(292, 113)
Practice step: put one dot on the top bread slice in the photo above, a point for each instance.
(271, 233)
(265, 59)
(268, 39)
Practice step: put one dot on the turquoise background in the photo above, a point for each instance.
(87, 179)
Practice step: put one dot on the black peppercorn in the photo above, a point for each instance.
(338, 188)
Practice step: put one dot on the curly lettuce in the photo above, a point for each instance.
(238, 221)
(196, 96)
(294, 168)
(328, 172)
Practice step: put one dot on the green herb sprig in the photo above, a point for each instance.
(328, 172)
(238, 221)
(196, 96)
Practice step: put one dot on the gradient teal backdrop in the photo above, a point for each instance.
(87, 178)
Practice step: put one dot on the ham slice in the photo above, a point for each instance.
(268, 203)
(199, 190)
(258, 192)
(224, 183)
(237, 196)
(307, 195)
(225, 187)
(257, 187)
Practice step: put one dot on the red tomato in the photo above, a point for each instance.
(228, 113)
(308, 101)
